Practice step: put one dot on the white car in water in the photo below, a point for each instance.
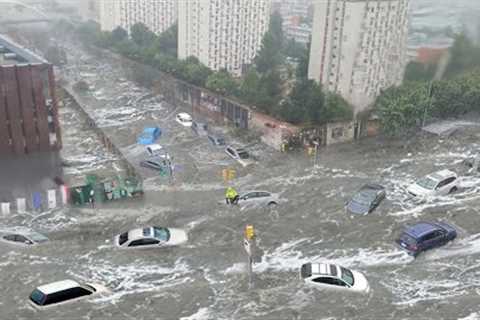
(24, 238)
(333, 277)
(151, 237)
(438, 183)
(184, 119)
(156, 150)
(241, 155)
(62, 292)
(258, 198)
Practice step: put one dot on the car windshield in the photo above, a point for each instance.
(347, 276)
(162, 234)
(243, 155)
(37, 297)
(363, 198)
(36, 237)
(427, 183)
(406, 238)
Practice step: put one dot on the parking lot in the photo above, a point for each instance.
(207, 279)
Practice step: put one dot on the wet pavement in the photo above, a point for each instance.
(207, 279)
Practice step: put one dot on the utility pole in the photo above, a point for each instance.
(249, 243)
(429, 104)
(316, 143)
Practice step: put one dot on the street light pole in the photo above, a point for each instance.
(315, 155)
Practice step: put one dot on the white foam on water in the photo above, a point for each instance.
(201, 314)
(460, 247)
(132, 278)
(471, 316)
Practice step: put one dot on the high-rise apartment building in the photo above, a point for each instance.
(157, 15)
(222, 34)
(359, 47)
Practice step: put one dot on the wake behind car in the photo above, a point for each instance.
(424, 236)
(151, 237)
(366, 199)
(438, 183)
(156, 163)
(25, 238)
(333, 277)
(239, 154)
(61, 292)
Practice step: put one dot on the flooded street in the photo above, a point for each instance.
(207, 278)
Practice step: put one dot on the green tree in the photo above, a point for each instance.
(402, 108)
(465, 56)
(249, 90)
(141, 35)
(416, 71)
(167, 41)
(222, 82)
(119, 34)
(195, 72)
(270, 55)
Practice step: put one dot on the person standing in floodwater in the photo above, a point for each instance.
(92, 197)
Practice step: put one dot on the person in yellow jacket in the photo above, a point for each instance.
(231, 196)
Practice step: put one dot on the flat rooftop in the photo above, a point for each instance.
(11, 53)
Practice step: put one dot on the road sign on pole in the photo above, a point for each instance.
(249, 245)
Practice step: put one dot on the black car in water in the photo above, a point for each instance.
(366, 199)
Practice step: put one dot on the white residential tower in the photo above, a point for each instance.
(359, 47)
(222, 34)
(157, 15)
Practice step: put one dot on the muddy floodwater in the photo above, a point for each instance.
(206, 278)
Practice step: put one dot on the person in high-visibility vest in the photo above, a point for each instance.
(231, 196)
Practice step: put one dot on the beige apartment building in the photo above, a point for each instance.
(222, 34)
(359, 47)
(157, 15)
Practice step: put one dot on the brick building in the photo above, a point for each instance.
(28, 108)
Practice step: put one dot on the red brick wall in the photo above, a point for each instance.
(24, 126)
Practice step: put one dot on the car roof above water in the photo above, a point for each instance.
(443, 174)
(324, 269)
(420, 229)
(58, 286)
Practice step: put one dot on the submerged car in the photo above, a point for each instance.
(27, 238)
(156, 150)
(333, 277)
(149, 135)
(155, 163)
(216, 140)
(151, 237)
(438, 183)
(366, 199)
(260, 198)
(424, 236)
(184, 119)
(61, 292)
(200, 128)
(239, 154)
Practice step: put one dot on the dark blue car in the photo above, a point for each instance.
(366, 199)
(426, 235)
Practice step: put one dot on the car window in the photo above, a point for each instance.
(37, 297)
(427, 183)
(429, 236)
(65, 295)
(446, 182)
(330, 281)
(263, 194)
(10, 237)
(143, 242)
(123, 238)
(162, 234)
(23, 239)
(347, 276)
(229, 150)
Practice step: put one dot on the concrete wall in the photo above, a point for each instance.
(339, 132)
(274, 132)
